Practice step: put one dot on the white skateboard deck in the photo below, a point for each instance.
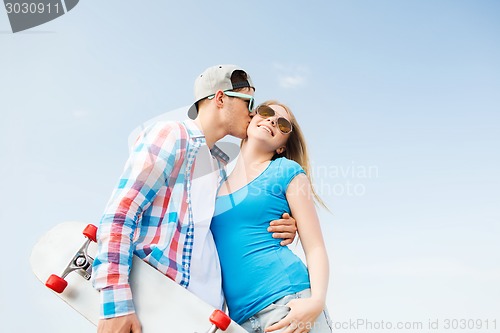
(161, 304)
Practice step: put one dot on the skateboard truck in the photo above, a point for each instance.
(81, 263)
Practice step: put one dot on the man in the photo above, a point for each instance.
(162, 207)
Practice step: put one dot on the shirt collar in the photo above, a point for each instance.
(196, 134)
(193, 130)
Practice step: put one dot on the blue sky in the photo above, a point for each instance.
(405, 93)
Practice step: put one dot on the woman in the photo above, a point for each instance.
(264, 282)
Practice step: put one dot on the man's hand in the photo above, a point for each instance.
(285, 228)
(124, 324)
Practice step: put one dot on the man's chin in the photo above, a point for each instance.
(240, 135)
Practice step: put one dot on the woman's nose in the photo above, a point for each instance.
(272, 120)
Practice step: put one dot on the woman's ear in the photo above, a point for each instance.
(280, 150)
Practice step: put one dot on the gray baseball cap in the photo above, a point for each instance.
(213, 79)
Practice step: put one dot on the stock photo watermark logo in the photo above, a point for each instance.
(343, 180)
(25, 15)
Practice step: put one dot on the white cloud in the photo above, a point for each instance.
(80, 113)
(291, 81)
(291, 76)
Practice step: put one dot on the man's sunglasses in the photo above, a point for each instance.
(284, 125)
(249, 98)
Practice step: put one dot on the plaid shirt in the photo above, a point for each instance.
(150, 214)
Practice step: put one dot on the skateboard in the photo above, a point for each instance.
(62, 260)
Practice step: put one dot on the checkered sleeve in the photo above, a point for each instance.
(150, 163)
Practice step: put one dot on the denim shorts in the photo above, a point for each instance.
(278, 310)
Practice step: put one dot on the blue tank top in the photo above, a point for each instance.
(256, 269)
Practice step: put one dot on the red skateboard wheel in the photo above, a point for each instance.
(91, 232)
(56, 283)
(220, 319)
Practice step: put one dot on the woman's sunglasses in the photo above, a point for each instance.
(284, 125)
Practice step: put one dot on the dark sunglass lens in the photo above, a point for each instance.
(265, 111)
(284, 125)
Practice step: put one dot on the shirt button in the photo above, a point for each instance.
(190, 233)
(186, 266)
(187, 200)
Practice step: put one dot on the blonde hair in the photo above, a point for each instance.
(296, 148)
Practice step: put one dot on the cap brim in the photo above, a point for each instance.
(193, 111)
